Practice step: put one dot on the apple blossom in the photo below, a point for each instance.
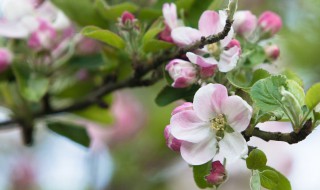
(218, 174)
(244, 23)
(270, 23)
(173, 143)
(213, 126)
(43, 37)
(182, 72)
(210, 23)
(5, 59)
(272, 51)
(169, 11)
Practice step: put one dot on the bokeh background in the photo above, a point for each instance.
(140, 160)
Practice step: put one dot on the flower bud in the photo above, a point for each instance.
(173, 143)
(165, 35)
(234, 43)
(182, 72)
(43, 37)
(127, 17)
(270, 23)
(5, 59)
(217, 175)
(272, 51)
(182, 107)
(244, 23)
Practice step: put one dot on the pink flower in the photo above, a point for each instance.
(210, 23)
(173, 143)
(213, 126)
(182, 72)
(43, 37)
(270, 23)
(5, 59)
(218, 174)
(272, 51)
(127, 17)
(244, 23)
(169, 11)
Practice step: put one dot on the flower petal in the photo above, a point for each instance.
(228, 59)
(187, 126)
(209, 23)
(224, 42)
(233, 146)
(13, 30)
(238, 112)
(169, 11)
(183, 36)
(208, 100)
(199, 153)
(201, 61)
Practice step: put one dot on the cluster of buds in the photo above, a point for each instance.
(6, 58)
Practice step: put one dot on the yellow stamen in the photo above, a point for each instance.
(218, 123)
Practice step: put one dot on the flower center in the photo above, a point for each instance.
(218, 123)
(212, 48)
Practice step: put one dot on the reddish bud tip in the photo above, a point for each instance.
(217, 175)
(127, 17)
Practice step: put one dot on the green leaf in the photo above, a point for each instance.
(115, 11)
(256, 159)
(153, 31)
(297, 91)
(293, 76)
(240, 80)
(257, 56)
(269, 179)
(216, 5)
(32, 85)
(81, 11)
(169, 94)
(255, 181)
(148, 14)
(258, 75)
(156, 45)
(71, 131)
(199, 173)
(266, 93)
(283, 182)
(105, 36)
(313, 96)
(184, 4)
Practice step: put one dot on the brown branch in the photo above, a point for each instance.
(290, 138)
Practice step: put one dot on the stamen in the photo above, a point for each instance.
(213, 48)
(218, 123)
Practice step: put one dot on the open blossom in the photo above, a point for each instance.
(270, 23)
(212, 126)
(5, 59)
(182, 72)
(244, 23)
(210, 23)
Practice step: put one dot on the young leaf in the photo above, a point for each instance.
(105, 36)
(266, 92)
(293, 76)
(283, 182)
(71, 131)
(257, 56)
(169, 94)
(156, 45)
(269, 179)
(313, 96)
(255, 181)
(32, 86)
(256, 160)
(199, 173)
(297, 91)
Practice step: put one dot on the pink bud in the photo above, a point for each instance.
(127, 17)
(5, 59)
(244, 23)
(182, 107)
(165, 35)
(217, 174)
(272, 51)
(182, 72)
(173, 143)
(206, 72)
(43, 37)
(234, 43)
(269, 22)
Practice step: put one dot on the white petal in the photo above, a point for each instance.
(228, 59)
(208, 100)
(13, 30)
(169, 11)
(238, 112)
(209, 23)
(183, 36)
(201, 61)
(224, 42)
(186, 126)
(199, 153)
(233, 146)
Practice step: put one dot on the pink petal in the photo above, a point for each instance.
(13, 30)
(233, 146)
(201, 61)
(238, 112)
(209, 23)
(208, 100)
(187, 126)
(169, 11)
(199, 153)
(184, 36)
(229, 59)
